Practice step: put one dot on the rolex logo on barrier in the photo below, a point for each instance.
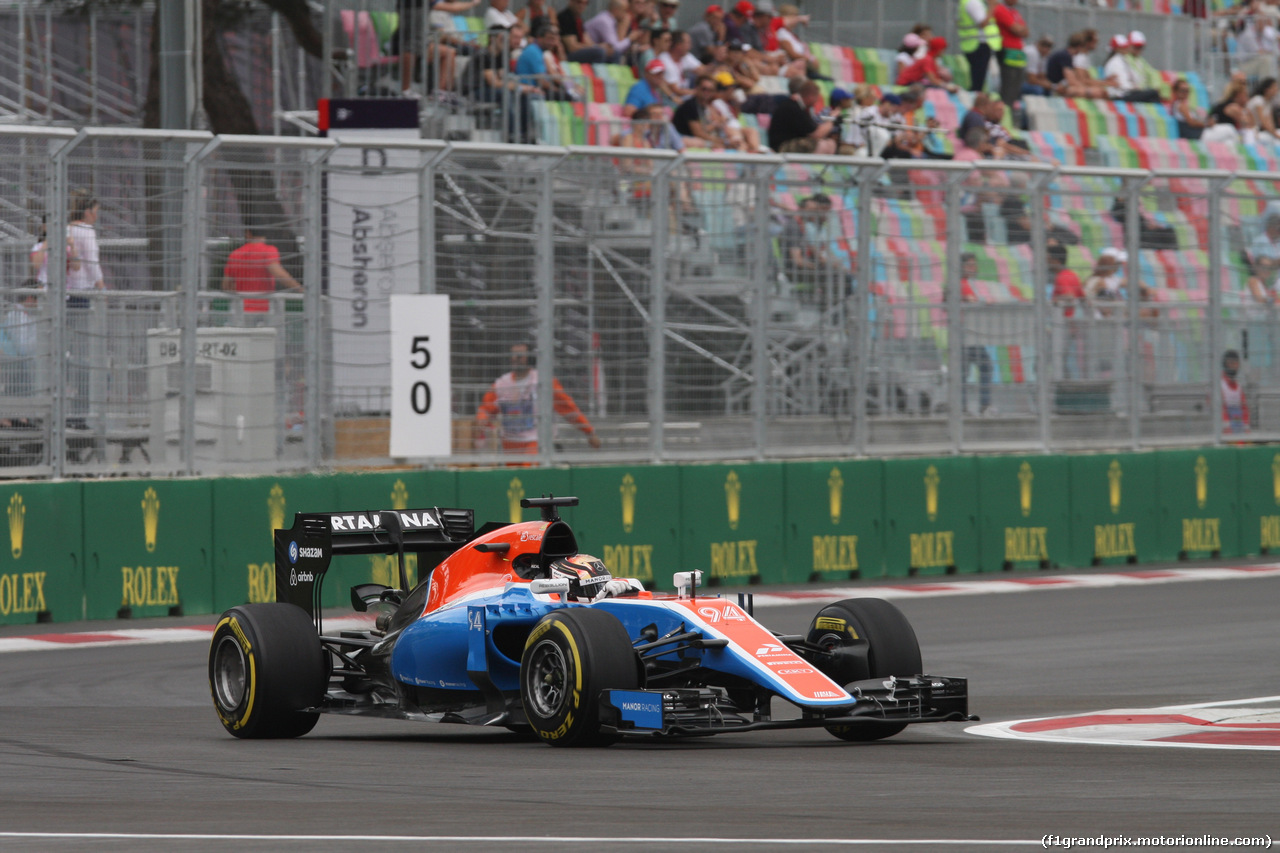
(150, 517)
(17, 519)
(515, 492)
(628, 492)
(1202, 482)
(733, 498)
(275, 507)
(1275, 477)
(399, 495)
(1025, 476)
(931, 480)
(1114, 475)
(835, 492)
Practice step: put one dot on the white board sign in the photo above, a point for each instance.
(421, 393)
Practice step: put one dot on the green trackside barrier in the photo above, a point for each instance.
(378, 491)
(1259, 499)
(495, 494)
(834, 520)
(246, 511)
(931, 516)
(1198, 503)
(733, 521)
(1114, 511)
(1025, 504)
(42, 568)
(630, 518)
(148, 548)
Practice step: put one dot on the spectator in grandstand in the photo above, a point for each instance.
(512, 402)
(807, 260)
(793, 128)
(1151, 234)
(604, 30)
(870, 123)
(927, 71)
(39, 258)
(1012, 58)
(1263, 259)
(442, 23)
(659, 43)
(742, 69)
(1144, 72)
(1066, 77)
(979, 40)
(409, 35)
(1261, 106)
(486, 78)
(1191, 121)
(19, 344)
(698, 121)
(1235, 409)
(649, 89)
(1258, 47)
(578, 46)
(1068, 293)
(255, 268)
(1106, 284)
(678, 64)
(1037, 54)
(537, 10)
(667, 10)
(533, 68)
(711, 30)
(651, 128)
(738, 20)
(83, 270)
(1118, 68)
(728, 102)
(499, 14)
(974, 354)
(1229, 120)
(906, 55)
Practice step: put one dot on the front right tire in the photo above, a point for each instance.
(266, 665)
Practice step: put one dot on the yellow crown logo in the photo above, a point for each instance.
(399, 495)
(275, 508)
(150, 517)
(733, 497)
(931, 480)
(1275, 477)
(835, 493)
(515, 492)
(628, 490)
(1202, 482)
(1114, 475)
(17, 518)
(1025, 476)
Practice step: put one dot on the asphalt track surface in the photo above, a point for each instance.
(123, 740)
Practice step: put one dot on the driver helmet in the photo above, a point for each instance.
(586, 574)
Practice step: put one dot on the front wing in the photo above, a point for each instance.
(705, 711)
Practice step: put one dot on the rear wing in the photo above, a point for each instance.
(303, 551)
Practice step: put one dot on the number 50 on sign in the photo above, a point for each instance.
(420, 394)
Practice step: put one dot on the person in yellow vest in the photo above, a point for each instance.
(979, 39)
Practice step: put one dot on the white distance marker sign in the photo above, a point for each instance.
(421, 393)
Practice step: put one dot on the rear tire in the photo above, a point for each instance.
(872, 639)
(265, 665)
(570, 657)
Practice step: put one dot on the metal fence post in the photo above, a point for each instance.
(193, 228)
(863, 304)
(427, 221)
(313, 305)
(955, 321)
(1133, 279)
(1044, 357)
(658, 308)
(1216, 265)
(760, 314)
(56, 233)
(545, 288)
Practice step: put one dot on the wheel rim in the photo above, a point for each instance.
(229, 674)
(545, 679)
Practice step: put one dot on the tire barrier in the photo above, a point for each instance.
(134, 548)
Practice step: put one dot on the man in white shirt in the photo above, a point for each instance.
(1258, 45)
(678, 63)
(499, 14)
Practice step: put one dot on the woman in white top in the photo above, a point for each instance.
(1260, 106)
(83, 270)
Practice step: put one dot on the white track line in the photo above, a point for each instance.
(527, 839)
(973, 585)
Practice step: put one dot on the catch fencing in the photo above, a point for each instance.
(695, 307)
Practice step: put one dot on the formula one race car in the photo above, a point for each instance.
(512, 627)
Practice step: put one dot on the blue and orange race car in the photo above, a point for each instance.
(511, 626)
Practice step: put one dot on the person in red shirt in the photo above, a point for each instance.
(926, 70)
(1067, 293)
(1235, 409)
(1012, 58)
(255, 268)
